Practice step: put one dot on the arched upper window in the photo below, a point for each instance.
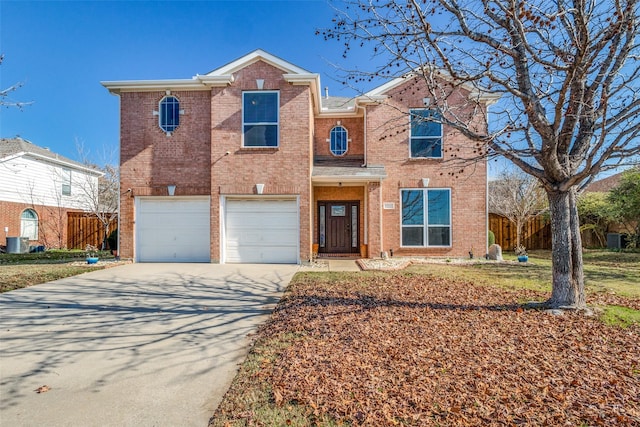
(29, 224)
(169, 116)
(339, 141)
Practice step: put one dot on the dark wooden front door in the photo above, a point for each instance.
(338, 227)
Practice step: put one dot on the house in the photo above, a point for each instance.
(251, 163)
(38, 188)
(600, 232)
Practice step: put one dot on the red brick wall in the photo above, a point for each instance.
(344, 194)
(388, 144)
(285, 170)
(194, 159)
(52, 223)
(355, 130)
(150, 160)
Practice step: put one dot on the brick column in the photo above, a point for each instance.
(375, 237)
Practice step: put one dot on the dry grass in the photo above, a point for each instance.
(447, 346)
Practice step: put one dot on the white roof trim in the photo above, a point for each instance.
(378, 93)
(117, 87)
(222, 80)
(87, 170)
(332, 179)
(257, 55)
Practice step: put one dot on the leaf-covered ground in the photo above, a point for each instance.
(398, 349)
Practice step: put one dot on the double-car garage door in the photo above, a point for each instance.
(177, 229)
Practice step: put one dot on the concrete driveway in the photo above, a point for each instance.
(135, 345)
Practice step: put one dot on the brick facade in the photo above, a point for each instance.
(150, 160)
(205, 156)
(52, 223)
(285, 170)
(388, 144)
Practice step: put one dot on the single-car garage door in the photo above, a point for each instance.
(174, 229)
(261, 231)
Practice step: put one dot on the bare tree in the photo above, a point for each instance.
(518, 197)
(53, 218)
(5, 100)
(567, 77)
(100, 197)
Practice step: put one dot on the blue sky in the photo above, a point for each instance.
(61, 50)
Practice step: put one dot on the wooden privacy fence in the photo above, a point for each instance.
(536, 234)
(85, 229)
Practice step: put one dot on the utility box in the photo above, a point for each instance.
(17, 245)
(616, 241)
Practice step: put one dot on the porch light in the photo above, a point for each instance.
(171, 189)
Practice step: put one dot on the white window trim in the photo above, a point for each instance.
(347, 140)
(441, 137)
(277, 123)
(425, 215)
(66, 181)
(157, 113)
(32, 221)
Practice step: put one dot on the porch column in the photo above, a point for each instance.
(375, 231)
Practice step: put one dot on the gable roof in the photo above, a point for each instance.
(604, 185)
(11, 148)
(474, 93)
(255, 56)
(325, 106)
(221, 76)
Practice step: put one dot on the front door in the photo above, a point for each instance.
(338, 227)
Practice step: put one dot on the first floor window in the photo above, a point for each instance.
(260, 119)
(426, 217)
(426, 134)
(29, 224)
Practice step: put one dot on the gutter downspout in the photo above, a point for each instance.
(364, 110)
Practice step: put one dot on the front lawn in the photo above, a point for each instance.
(22, 270)
(444, 345)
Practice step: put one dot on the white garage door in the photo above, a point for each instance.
(173, 229)
(261, 231)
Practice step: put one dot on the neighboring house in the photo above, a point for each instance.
(250, 163)
(598, 238)
(37, 190)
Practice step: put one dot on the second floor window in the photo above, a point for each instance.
(66, 182)
(426, 134)
(339, 142)
(260, 119)
(169, 117)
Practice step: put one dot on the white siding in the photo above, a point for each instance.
(33, 181)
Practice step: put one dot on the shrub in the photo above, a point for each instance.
(112, 240)
(492, 238)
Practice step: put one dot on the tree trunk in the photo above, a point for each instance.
(568, 274)
(519, 225)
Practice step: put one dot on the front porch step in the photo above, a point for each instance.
(341, 256)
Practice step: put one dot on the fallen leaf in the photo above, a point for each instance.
(42, 389)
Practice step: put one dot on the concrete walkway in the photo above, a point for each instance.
(328, 264)
(343, 265)
(135, 345)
